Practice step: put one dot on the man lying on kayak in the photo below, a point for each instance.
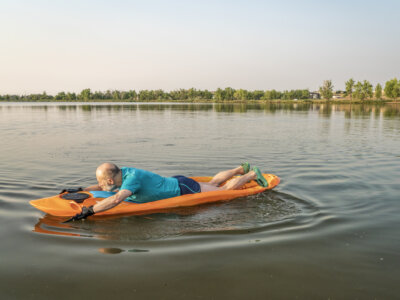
(140, 186)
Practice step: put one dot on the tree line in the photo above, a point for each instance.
(149, 95)
(363, 90)
(354, 90)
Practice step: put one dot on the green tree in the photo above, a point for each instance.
(363, 90)
(124, 95)
(349, 87)
(97, 95)
(70, 96)
(219, 94)
(44, 96)
(60, 96)
(228, 93)
(272, 95)
(276, 95)
(241, 94)
(107, 95)
(132, 95)
(378, 91)
(305, 94)
(357, 94)
(392, 88)
(285, 95)
(181, 94)
(116, 95)
(368, 89)
(159, 95)
(257, 95)
(192, 93)
(267, 95)
(206, 95)
(144, 95)
(85, 95)
(326, 89)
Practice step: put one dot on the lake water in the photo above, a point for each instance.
(330, 230)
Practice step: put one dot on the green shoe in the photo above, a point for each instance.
(260, 178)
(246, 167)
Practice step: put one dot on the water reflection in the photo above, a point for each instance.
(176, 107)
(388, 110)
(119, 250)
(239, 215)
(111, 250)
(54, 225)
(392, 110)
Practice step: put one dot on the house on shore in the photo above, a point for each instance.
(315, 95)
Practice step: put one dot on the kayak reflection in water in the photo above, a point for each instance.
(141, 186)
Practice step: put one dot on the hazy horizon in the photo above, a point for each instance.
(56, 46)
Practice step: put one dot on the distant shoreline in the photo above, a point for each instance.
(314, 101)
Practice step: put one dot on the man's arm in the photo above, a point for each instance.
(103, 205)
(112, 201)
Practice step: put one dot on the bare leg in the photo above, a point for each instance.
(225, 175)
(238, 182)
(233, 184)
(206, 187)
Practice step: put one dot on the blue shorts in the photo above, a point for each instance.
(187, 185)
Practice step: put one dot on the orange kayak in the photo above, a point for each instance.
(63, 206)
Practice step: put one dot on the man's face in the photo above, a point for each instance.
(106, 184)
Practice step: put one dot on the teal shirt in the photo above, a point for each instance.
(147, 186)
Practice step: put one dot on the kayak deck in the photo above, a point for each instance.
(58, 206)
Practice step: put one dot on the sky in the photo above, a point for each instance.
(71, 45)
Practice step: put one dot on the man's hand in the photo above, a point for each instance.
(103, 205)
(86, 212)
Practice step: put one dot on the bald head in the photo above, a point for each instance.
(107, 171)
